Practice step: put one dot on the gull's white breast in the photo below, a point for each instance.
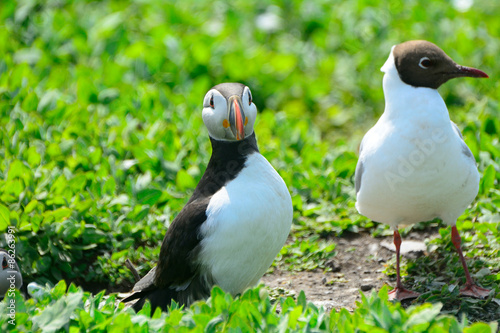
(414, 166)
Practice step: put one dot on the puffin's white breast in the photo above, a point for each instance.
(248, 222)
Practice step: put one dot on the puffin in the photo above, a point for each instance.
(236, 221)
(10, 275)
(413, 164)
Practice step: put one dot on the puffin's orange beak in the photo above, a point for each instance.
(236, 117)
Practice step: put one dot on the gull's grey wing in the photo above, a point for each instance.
(359, 170)
(465, 149)
(357, 175)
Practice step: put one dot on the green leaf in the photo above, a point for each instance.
(4, 218)
(148, 196)
(293, 317)
(109, 186)
(301, 300)
(58, 314)
(30, 206)
(184, 180)
(482, 328)
(48, 101)
(61, 214)
(488, 180)
(59, 289)
(424, 316)
(16, 170)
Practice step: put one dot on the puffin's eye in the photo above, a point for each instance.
(212, 102)
(425, 62)
(249, 98)
(4, 263)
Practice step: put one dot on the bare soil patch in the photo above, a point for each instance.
(357, 266)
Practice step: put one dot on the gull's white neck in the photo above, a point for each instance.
(411, 103)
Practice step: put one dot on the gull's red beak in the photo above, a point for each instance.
(470, 72)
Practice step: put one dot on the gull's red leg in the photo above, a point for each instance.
(400, 293)
(470, 288)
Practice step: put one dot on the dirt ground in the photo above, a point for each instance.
(357, 265)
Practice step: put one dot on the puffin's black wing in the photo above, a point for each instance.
(177, 264)
(157, 297)
(147, 281)
(176, 275)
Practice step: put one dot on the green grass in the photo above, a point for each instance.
(102, 140)
(76, 311)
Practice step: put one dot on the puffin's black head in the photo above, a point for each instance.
(422, 64)
(228, 112)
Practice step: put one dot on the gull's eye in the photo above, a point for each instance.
(425, 62)
(212, 102)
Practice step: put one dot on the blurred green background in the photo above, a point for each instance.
(102, 140)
